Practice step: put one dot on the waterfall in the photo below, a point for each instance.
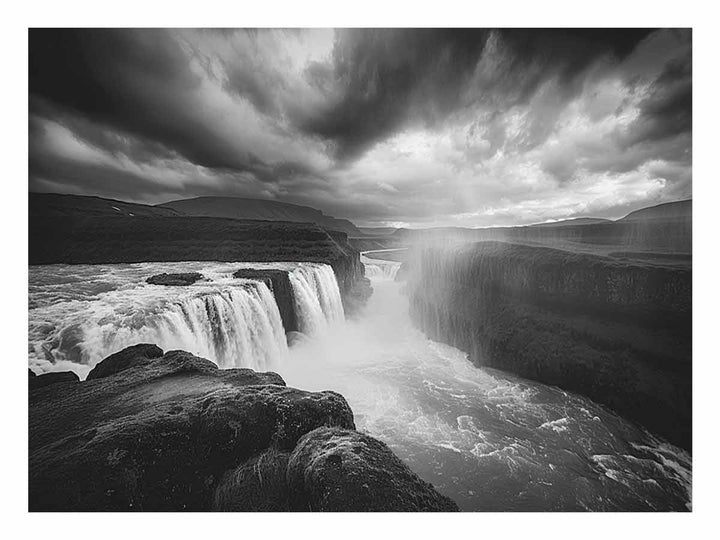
(317, 297)
(381, 269)
(235, 326)
(81, 315)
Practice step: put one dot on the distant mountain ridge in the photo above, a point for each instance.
(571, 222)
(258, 209)
(60, 205)
(672, 210)
(53, 204)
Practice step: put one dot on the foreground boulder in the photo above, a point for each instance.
(38, 381)
(174, 280)
(173, 432)
(137, 355)
(333, 469)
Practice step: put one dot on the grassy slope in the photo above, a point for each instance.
(47, 205)
(74, 229)
(257, 209)
(673, 210)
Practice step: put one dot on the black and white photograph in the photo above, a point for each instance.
(359, 269)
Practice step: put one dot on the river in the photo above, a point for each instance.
(487, 439)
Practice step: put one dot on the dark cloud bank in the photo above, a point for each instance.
(468, 127)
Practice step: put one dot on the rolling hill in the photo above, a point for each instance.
(257, 209)
(57, 205)
(673, 210)
(572, 222)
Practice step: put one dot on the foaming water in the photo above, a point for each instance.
(81, 314)
(377, 269)
(488, 440)
(317, 298)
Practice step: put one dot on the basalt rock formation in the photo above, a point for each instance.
(350, 273)
(334, 469)
(616, 329)
(153, 431)
(330, 470)
(38, 381)
(174, 280)
(136, 355)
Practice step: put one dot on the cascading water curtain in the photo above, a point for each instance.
(317, 297)
(381, 270)
(237, 326)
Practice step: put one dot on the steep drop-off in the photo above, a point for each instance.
(170, 431)
(617, 330)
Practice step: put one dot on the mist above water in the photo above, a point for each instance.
(317, 297)
(488, 440)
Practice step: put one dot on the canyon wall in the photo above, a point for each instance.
(615, 329)
(663, 228)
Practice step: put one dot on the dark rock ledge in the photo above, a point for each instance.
(158, 432)
(182, 279)
(38, 381)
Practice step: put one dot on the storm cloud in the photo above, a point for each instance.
(468, 127)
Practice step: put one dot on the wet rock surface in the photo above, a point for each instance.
(137, 355)
(154, 431)
(38, 381)
(330, 470)
(175, 280)
(334, 469)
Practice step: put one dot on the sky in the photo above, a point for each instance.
(385, 127)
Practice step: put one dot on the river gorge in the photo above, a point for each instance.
(486, 439)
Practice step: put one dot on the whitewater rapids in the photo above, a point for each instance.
(376, 269)
(487, 439)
